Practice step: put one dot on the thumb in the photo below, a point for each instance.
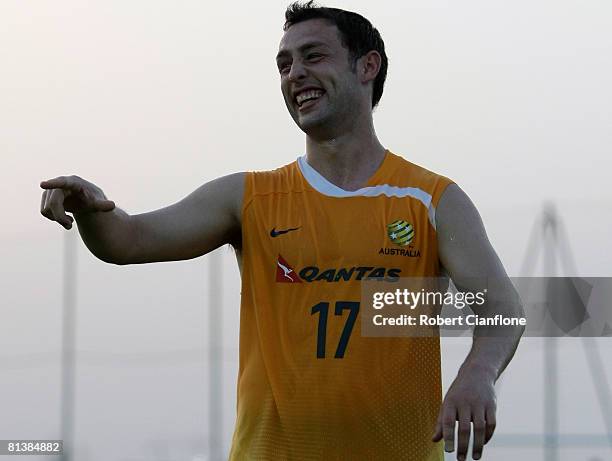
(438, 434)
(104, 205)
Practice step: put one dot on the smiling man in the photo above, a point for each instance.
(310, 386)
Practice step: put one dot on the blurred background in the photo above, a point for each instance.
(149, 100)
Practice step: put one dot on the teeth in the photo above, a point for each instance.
(310, 94)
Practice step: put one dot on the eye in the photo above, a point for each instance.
(314, 56)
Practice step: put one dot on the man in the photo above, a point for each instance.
(306, 235)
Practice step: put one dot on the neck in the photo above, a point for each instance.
(348, 158)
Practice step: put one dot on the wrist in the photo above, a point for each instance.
(484, 370)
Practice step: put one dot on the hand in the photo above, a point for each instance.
(73, 194)
(471, 398)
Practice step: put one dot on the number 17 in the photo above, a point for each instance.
(322, 309)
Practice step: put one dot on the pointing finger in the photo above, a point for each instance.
(60, 182)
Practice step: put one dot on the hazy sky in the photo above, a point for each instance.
(151, 99)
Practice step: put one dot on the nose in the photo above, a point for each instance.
(297, 71)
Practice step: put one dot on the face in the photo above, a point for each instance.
(317, 82)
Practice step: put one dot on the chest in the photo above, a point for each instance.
(316, 231)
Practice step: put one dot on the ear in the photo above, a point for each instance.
(368, 66)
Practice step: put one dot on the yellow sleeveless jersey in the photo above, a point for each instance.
(310, 387)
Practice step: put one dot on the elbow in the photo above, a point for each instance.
(123, 259)
(119, 263)
(520, 328)
(520, 332)
(112, 260)
(116, 256)
(105, 255)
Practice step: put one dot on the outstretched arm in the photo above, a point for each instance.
(204, 220)
(468, 257)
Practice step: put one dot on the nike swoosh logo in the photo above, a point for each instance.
(275, 233)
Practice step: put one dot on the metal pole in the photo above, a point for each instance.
(215, 365)
(551, 392)
(68, 345)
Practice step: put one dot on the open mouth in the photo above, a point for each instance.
(308, 98)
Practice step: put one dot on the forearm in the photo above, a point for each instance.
(109, 235)
(491, 354)
(494, 346)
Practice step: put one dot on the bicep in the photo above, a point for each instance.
(464, 248)
(199, 223)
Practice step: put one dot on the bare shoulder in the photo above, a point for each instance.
(221, 199)
(463, 244)
(229, 190)
(457, 212)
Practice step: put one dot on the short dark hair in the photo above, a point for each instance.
(356, 34)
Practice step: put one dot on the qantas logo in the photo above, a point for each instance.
(275, 233)
(286, 274)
